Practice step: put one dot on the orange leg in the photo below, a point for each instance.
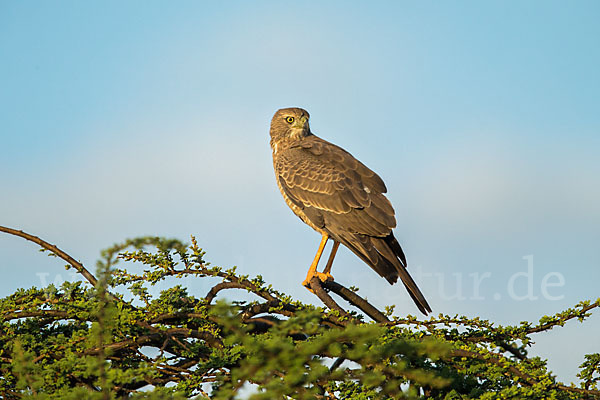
(334, 249)
(313, 267)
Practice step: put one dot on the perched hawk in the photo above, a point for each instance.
(339, 197)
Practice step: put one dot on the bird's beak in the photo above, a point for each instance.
(302, 123)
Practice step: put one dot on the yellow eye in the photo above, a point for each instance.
(289, 120)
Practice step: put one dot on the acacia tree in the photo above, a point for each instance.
(108, 337)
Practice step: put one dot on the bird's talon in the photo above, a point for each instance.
(324, 277)
(306, 284)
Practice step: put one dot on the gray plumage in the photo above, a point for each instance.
(338, 196)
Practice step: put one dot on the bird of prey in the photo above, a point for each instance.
(339, 197)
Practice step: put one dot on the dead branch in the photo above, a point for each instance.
(75, 264)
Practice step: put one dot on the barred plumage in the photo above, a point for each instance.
(339, 197)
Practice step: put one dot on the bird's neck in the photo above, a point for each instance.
(293, 139)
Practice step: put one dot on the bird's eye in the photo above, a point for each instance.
(289, 120)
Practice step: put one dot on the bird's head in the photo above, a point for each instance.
(289, 124)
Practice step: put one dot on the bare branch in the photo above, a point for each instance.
(75, 264)
(236, 284)
(357, 301)
(315, 285)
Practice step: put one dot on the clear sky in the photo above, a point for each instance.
(120, 119)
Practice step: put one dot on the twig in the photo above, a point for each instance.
(551, 324)
(338, 361)
(357, 301)
(75, 264)
(235, 285)
(274, 306)
(315, 285)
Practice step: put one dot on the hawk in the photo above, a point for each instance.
(339, 197)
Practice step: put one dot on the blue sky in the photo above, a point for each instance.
(137, 118)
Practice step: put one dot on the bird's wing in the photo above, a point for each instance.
(340, 194)
(320, 177)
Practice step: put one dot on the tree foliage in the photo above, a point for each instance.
(109, 337)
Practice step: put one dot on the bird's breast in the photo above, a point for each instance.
(295, 209)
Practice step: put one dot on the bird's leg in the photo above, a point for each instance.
(327, 269)
(312, 271)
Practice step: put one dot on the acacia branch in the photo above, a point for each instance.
(494, 359)
(362, 304)
(499, 360)
(74, 263)
(315, 285)
(576, 313)
(54, 314)
(236, 284)
(357, 301)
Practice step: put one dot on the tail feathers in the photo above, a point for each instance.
(386, 257)
(399, 260)
(395, 246)
(414, 292)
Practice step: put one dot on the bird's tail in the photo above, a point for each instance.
(399, 261)
(386, 257)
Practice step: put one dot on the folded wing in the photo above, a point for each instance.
(339, 194)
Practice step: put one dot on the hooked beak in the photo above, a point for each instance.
(301, 123)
